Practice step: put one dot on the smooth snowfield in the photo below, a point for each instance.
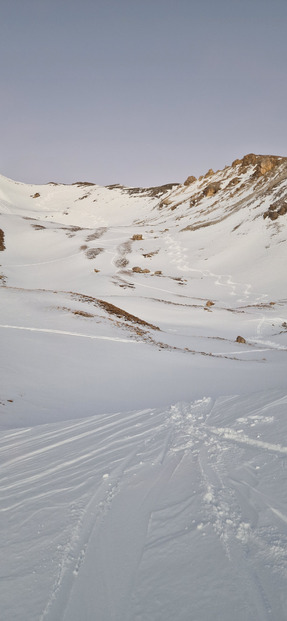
(143, 449)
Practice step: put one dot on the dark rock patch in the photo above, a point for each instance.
(121, 262)
(2, 244)
(240, 339)
(275, 210)
(155, 192)
(83, 183)
(92, 253)
(98, 233)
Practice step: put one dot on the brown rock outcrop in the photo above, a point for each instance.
(275, 210)
(191, 179)
(240, 339)
(265, 165)
(209, 173)
(140, 270)
(249, 160)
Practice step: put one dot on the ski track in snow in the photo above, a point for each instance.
(243, 291)
(179, 256)
(151, 515)
(66, 333)
(111, 481)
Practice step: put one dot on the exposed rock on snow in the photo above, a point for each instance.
(191, 179)
(275, 210)
(2, 244)
(134, 483)
(240, 339)
(209, 173)
(140, 270)
(211, 189)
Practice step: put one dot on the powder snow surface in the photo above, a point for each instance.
(143, 449)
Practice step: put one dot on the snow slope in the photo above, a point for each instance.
(143, 448)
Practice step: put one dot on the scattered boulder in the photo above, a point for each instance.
(273, 215)
(36, 195)
(275, 210)
(140, 270)
(209, 303)
(240, 339)
(282, 210)
(137, 237)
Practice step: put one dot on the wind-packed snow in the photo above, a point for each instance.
(143, 448)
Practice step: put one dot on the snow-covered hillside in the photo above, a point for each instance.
(143, 443)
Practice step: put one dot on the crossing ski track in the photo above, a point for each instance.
(155, 514)
(111, 501)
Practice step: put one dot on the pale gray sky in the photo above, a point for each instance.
(140, 92)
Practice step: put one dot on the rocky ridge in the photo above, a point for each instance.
(259, 181)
